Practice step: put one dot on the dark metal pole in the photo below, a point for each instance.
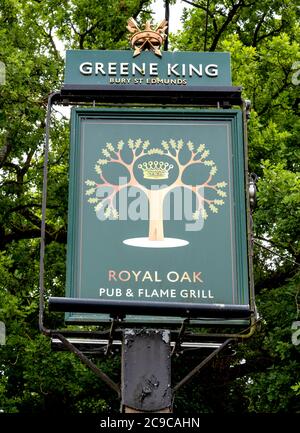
(51, 98)
(167, 18)
(206, 25)
(146, 371)
(89, 363)
(120, 308)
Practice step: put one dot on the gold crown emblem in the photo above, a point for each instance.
(155, 169)
(148, 38)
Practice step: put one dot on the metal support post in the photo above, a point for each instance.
(202, 364)
(146, 371)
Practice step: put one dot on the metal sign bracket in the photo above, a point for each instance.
(96, 342)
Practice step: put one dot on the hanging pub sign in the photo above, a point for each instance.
(157, 207)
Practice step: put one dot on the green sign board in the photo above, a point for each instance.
(106, 68)
(157, 208)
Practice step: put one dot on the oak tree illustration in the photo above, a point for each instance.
(156, 171)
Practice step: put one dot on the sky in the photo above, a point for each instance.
(175, 13)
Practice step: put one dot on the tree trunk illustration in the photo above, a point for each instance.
(156, 215)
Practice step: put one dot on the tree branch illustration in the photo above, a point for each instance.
(113, 155)
(198, 156)
(172, 149)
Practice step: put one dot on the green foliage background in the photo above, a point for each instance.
(263, 38)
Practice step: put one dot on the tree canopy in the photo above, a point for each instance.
(263, 39)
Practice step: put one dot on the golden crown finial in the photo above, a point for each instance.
(148, 38)
(155, 169)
